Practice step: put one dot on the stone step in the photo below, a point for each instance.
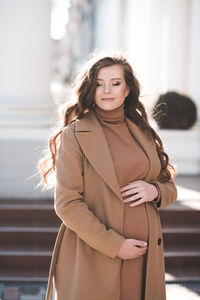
(27, 237)
(184, 217)
(28, 213)
(15, 262)
(173, 275)
(21, 276)
(181, 230)
(182, 266)
(183, 254)
(181, 237)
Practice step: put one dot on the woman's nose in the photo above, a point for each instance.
(106, 88)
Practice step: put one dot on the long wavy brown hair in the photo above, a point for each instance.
(83, 95)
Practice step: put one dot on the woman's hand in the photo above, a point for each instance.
(139, 192)
(132, 248)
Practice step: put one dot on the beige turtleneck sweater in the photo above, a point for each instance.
(131, 164)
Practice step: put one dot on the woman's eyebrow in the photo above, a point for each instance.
(110, 79)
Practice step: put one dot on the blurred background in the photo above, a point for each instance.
(42, 43)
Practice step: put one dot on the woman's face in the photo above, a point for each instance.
(111, 87)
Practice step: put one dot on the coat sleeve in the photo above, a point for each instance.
(167, 193)
(69, 203)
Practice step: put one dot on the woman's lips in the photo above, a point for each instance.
(107, 99)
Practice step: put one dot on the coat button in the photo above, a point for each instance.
(159, 241)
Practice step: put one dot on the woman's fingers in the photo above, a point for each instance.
(139, 251)
(136, 203)
(132, 248)
(134, 189)
(130, 191)
(139, 243)
(142, 250)
(139, 191)
(129, 186)
(134, 197)
(140, 247)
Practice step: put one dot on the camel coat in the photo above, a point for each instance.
(88, 201)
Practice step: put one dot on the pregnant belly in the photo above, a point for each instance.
(136, 222)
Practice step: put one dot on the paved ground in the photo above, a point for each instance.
(187, 291)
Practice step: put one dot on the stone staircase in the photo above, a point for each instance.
(28, 230)
(181, 234)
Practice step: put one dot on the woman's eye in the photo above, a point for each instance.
(98, 84)
(116, 83)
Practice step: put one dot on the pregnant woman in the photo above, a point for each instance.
(111, 176)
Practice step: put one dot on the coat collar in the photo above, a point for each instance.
(92, 140)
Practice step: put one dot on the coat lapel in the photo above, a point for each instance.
(92, 140)
(93, 143)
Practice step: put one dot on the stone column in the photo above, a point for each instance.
(107, 24)
(177, 24)
(136, 36)
(143, 42)
(26, 107)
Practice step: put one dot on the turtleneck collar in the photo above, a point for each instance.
(115, 116)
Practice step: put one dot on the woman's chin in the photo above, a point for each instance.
(109, 105)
